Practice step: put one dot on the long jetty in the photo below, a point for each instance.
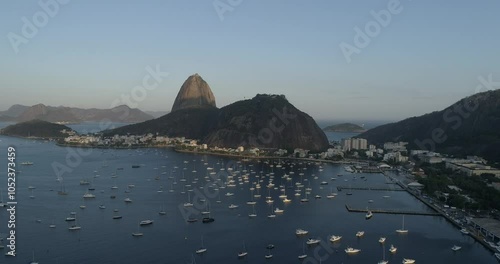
(472, 233)
(390, 211)
(372, 188)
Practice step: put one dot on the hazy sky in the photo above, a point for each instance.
(89, 53)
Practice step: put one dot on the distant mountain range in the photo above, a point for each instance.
(156, 114)
(345, 127)
(265, 121)
(471, 126)
(62, 114)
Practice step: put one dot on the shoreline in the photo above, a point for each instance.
(212, 153)
(476, 237)
(260, 157)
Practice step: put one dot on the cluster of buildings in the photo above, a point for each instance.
(471, 165)
(391, 152)
(396, 152)
(127, 140)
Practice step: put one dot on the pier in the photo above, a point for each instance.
(472, 232)
(373, 188)
(390, 211)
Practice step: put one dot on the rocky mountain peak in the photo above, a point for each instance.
(194, 93)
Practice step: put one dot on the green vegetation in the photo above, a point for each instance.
(476, 135)
(439, 178)
(35, 128)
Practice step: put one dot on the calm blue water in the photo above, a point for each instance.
(172, 240)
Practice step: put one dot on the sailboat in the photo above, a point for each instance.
(243, 253)
(115, 215)
(304, 200)
(251, 202)
(83, 206)
(402, 230)
(393, 249)
(188, 203)
(271, 215)
(137, 234)
(331, 195)
(269, 255)
(75, 226)
(368, 215)
(304, 255)
(383, 261)
(202, 249)
(62, 190)
(208, 219)
(33, 261)
(162, 211)
(253, 214)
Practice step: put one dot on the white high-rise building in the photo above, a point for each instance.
(346, 144)
(354, 143)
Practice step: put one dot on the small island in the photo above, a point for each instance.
(37, 129)
(345, 128)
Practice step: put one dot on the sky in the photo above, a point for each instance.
(425, 56)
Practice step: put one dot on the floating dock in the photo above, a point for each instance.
(372, 188)
(390, 211)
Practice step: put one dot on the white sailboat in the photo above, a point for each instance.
(253, 214)
(304, 255)
(202, 249)
(393, 249)
(243, 253)
(402, 230)
(272, 214)
(137, 234)
(334, 238)
(351, 250)
(383, 261)
(456, 248)
(188, 203)
(251, 202)
(162, 211)
(312, 241)
(304, 200)
(301, 232)
(269, 255)
(75, 226)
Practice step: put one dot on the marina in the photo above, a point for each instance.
(175, 234)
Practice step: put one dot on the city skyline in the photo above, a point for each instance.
(89, 55)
